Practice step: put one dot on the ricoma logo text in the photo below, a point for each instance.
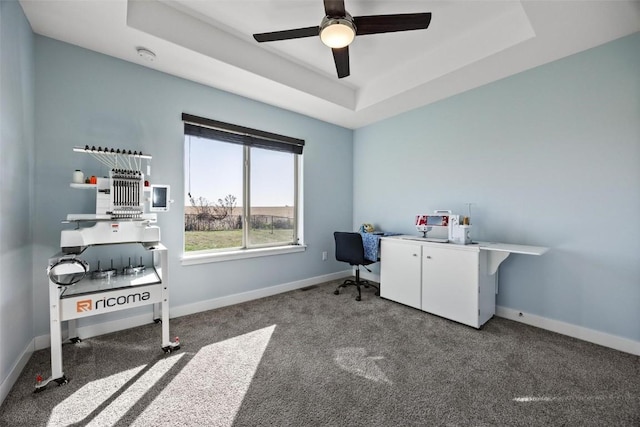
(85, 305)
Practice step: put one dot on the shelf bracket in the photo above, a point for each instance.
(494, 260)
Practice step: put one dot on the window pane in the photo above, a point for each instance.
(272, 198)
(213, 217)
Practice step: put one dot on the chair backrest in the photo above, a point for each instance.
(349, 248)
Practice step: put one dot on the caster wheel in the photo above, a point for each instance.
(169, 349)
(62, 381)
(157, 321)
(358, 298)
(336, 292)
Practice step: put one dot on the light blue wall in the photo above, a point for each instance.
(550, 157)
(87, 98)
(16, 185)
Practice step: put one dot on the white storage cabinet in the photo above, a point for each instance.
(400, 270)
(447, 280)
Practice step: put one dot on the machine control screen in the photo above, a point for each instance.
(159, 198)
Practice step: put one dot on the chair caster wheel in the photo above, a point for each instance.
(336, 292)
(358, 298)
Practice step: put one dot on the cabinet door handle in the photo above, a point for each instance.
(415, 254)
(428, 256)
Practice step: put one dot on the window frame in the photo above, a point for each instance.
(248, 138)
(246, 230)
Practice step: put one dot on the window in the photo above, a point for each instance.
(241, 188)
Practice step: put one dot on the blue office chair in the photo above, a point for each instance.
(349, 248)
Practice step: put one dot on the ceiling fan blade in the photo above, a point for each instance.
(341, 58)
(334, 8)
(390, 23)
(297, 33)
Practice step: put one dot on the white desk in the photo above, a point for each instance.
(458, 282)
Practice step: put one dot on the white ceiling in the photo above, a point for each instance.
(468, 44)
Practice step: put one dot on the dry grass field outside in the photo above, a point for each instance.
(210, 240)
(202, 235)
(283, 211)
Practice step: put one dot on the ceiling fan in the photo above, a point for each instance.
(338, 29)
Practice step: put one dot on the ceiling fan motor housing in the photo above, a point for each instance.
(337, 31)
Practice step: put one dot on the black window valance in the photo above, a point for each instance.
(235, 134)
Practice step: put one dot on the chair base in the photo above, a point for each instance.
(357, 283)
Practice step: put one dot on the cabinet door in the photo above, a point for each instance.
(450, 284)
(400, 272)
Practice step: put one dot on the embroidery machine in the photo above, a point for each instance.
(120, 202)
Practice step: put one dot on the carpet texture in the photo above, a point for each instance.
(311, 358)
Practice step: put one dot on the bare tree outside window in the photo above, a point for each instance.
(208, 211)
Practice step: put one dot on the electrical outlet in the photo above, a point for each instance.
(324, 255)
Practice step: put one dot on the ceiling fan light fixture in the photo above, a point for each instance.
(337, 32)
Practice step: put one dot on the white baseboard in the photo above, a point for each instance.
(212, 304)
(15, 371)
(44, 341)
(607, 340)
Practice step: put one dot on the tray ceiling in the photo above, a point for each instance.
(468, 44)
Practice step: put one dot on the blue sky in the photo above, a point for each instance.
(214, 170)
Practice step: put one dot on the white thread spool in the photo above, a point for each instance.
(78, 176)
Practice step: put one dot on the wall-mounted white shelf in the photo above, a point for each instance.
(147, 189)
(83, 186)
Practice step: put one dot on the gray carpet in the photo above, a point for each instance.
(310, 358)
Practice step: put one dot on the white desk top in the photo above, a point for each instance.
(487, 246)
(496, 252)
(514, 249)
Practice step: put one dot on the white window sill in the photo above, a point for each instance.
(208, 257)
